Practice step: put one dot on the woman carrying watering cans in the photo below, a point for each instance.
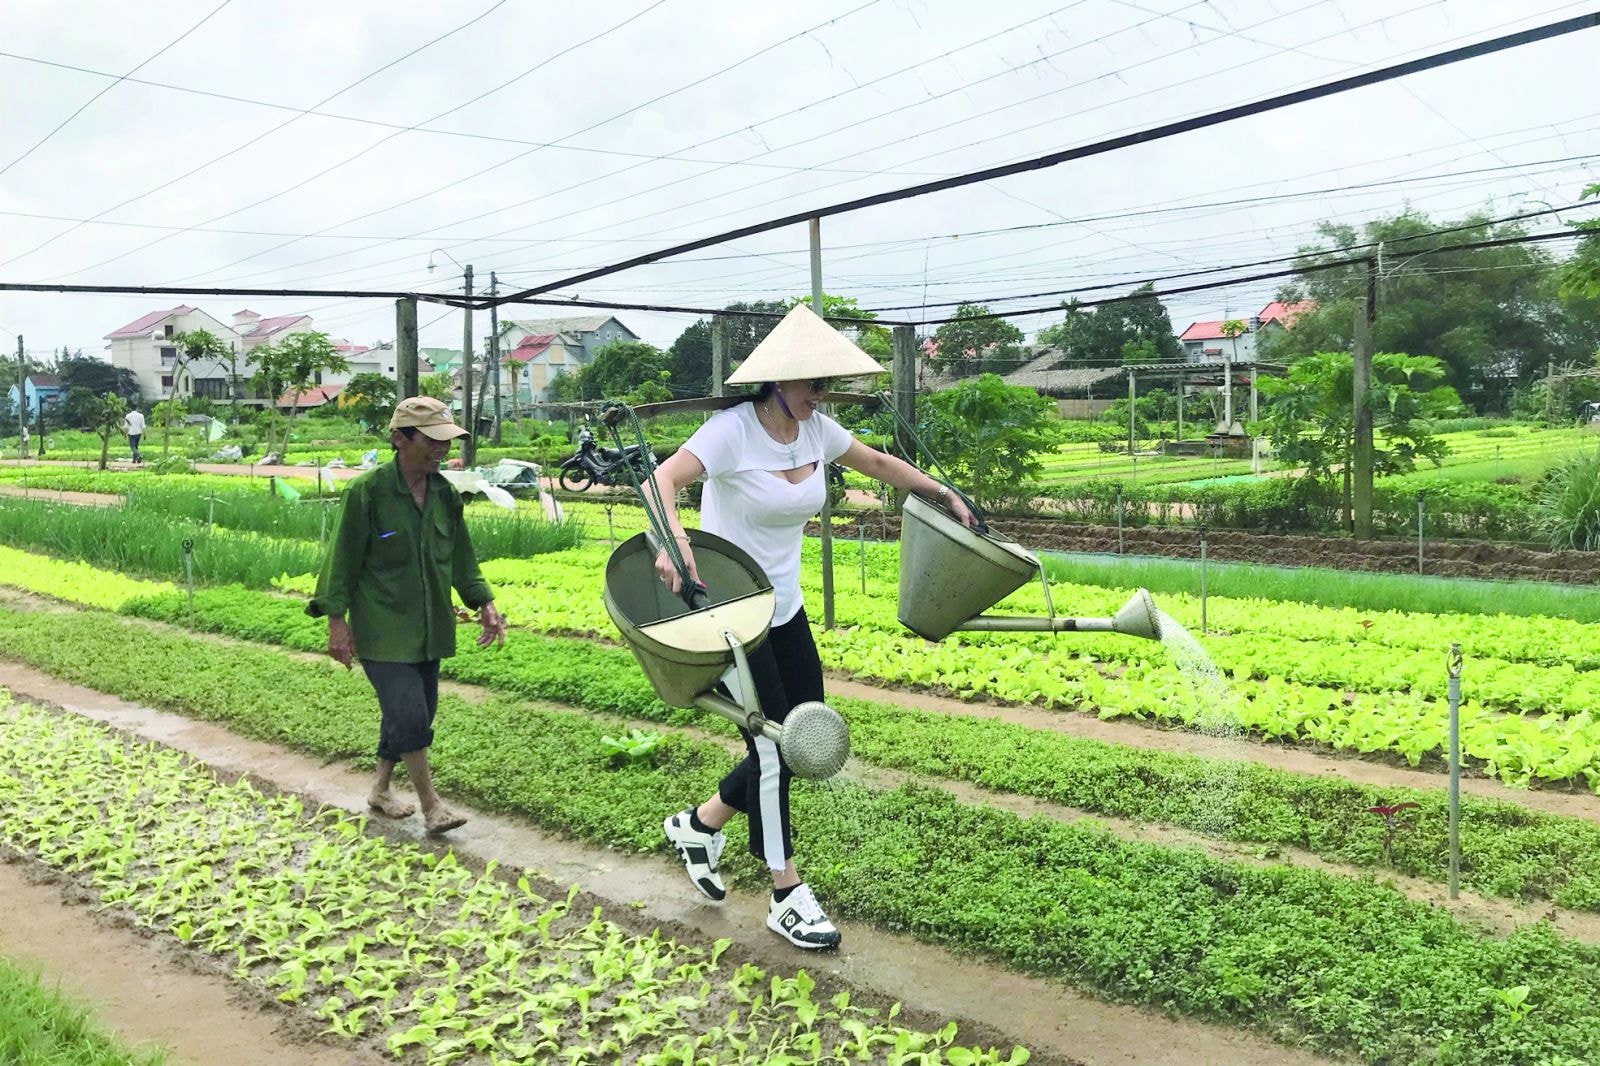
(764, 465)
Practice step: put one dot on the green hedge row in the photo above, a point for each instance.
(1509, 850)
(1336, 963)
(1299, 505)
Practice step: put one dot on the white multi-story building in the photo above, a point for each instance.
(145, 346)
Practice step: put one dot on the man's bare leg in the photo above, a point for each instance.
(440, 819)
(382, 798)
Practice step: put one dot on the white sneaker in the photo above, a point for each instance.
(799, 919)
(699, 852)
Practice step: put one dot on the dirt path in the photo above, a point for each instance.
(1048, 1017)
(140, 988)
(90, 499)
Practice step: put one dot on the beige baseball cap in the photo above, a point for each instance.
(431, 416)
(803, 347)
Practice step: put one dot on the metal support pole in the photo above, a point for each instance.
(1180, 409)
(494, 355)
(1419, 532)
(188, 570)
(1132, 395)
(827, 503)
(611, 529)
(1227, 394)
(861, 540)
(904, 379)
(1360, 387)
(469, 443)
(1255, 410)
(1119, 518)
(405, 346)
(1203, 579)
(1453, 692)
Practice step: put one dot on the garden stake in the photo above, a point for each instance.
(188, 570)
(1453, 692)
(611, 530)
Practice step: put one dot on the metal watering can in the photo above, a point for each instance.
(950, 575)
(686, 651)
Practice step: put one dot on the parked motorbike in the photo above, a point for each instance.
(592, 464)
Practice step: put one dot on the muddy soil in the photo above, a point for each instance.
(142, 988)
(1441, 558)
(993, 1005)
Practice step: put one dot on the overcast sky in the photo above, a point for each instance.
(242, 146)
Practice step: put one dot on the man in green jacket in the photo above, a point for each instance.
(401, 545)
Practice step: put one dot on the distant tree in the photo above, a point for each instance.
(746, 331)
(993, 435)
(370, 398)
(563, 388)
(194, 346)
(294, 366)
(105, 413)
(95, 377)
(1103, 337)
(1494, 316)
(166, 414)
(438, 386)
(689, 359)
(974, 343)
(1309, 414)
(1580, 277)
(621, 367)
(1233, 329)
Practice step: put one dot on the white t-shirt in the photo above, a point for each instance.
(756, 509)
(133, 421)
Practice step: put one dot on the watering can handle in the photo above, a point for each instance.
(693, 593)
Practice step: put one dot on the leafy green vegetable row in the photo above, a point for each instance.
(1334, 962)
(1510, 851)
(563, 596)
(391, 941)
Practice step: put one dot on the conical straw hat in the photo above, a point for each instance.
(800, 348)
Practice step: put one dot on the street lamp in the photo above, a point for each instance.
(469, 444)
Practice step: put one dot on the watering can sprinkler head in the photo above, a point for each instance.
(1138, 617)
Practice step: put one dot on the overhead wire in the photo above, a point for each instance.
(748, 127)
(531, 151)
(258, 137)
(347, 160)
(1145, 136)
(118, 79)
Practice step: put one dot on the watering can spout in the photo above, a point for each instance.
(1138, 617)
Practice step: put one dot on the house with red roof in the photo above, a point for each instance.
(534, 351)
(1207, 340)
(145, 346)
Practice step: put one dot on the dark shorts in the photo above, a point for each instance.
(408, 696)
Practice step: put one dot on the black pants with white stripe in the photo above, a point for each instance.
(787, 672)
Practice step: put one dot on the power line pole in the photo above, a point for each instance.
(405, 346)
(494, 354)
(22, 395)
(719, 355)
(469, 444)
(1360, 386)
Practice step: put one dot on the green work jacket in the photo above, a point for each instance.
(392, 565)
